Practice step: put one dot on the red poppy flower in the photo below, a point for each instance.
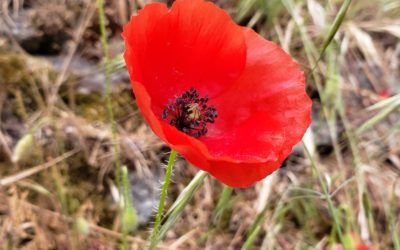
(361, 246)
(229, 101)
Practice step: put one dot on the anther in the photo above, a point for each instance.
(190, 113)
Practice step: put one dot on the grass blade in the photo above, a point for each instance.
(254, 230)
(335, 27)
(223, 203)
(378, 117)
(176, 209)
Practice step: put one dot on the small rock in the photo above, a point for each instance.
(145, 195)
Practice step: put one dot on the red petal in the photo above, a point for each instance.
(262, 116)
(266, 109)
(193, 44)
(361, 246)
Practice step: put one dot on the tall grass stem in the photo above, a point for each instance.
(110, 113)
(328, 198)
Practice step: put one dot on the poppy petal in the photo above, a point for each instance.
(263, 115)
(193, 44)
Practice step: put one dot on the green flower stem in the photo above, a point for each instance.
(163, 197)
(183, 199)
(222, 204)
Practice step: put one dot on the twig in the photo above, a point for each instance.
(85, 21)
(29, 172)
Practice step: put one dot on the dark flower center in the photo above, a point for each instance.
(189, 113)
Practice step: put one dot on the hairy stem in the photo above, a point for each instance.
(107, 66)
(163, 197)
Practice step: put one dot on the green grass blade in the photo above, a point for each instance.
(385, 102)
(244, 8)
(335, 26)
(176, 209)
(223, 203)
(254, 230)
(378, 118)
(333, 30)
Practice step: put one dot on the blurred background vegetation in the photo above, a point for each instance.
(338, 189)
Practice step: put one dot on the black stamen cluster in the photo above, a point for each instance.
(189, 113)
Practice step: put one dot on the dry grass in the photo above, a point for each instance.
(57, 185)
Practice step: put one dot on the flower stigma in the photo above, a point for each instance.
(190, 113)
